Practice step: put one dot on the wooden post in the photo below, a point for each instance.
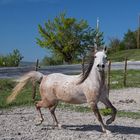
(34, 83)
(83, 64)
(138, 33)
(125, 72)
(108, 75)
(37, 63)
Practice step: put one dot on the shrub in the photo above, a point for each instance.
(11, 60)
(53, 60)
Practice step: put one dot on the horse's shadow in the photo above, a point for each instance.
(114, 128)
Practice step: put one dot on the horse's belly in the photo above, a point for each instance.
(74, 98)
(79, 100)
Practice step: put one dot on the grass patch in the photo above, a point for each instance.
(132, 79)
(80, 108)
(24, 98)
(76, 108)
(104, 112)
(133, 115)
(133, 54)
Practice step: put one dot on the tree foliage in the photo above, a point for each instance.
(114, 44)
(67, 37)
(52, 60)
(129, 41)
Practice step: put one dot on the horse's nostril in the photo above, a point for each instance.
(98, 65)
(103, 66)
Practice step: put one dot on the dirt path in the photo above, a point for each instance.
(18, 123)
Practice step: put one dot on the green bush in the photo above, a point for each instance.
(11, 60)
(6, 84)
(53, 60)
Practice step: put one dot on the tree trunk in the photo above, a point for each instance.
(68, 58)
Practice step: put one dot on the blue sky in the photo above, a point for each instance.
(19, 20)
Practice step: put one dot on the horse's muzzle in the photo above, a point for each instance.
(100, 67)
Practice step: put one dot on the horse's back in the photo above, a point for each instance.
(61, 78)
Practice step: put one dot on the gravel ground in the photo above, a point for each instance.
(18, 123)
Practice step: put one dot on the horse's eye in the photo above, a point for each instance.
(94, 56)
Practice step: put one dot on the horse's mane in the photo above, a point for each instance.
(87, 70)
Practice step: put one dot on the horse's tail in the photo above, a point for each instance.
(32, 76)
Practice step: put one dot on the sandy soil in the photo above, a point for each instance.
(18, 123)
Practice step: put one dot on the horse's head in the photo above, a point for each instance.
(100, 59)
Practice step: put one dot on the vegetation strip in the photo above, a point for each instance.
(104, 112)
(25, 99)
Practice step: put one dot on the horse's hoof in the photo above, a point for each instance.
(109, 121)
(108, 133)
(38, 121)
(59, 126)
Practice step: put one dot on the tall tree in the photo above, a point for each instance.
(66, 37)
(114, 44)
(130, 40)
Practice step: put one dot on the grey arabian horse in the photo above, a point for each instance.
(89, 87)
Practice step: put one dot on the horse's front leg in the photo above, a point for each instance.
(55, 121)
(108, 104)
(98, 116)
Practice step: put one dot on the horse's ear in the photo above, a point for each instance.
(95, 45)
(105, 49)
(93, 48)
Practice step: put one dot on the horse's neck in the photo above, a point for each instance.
(99, 77)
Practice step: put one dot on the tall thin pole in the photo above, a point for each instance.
(138, 33)
(125, 73)
(97, 24)
(97, 30)
(37, 63)
(34, 83)
(108, 75)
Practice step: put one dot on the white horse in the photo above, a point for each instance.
(89, 87)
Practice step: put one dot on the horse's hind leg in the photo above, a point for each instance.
(108, 104)
(38, 106)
